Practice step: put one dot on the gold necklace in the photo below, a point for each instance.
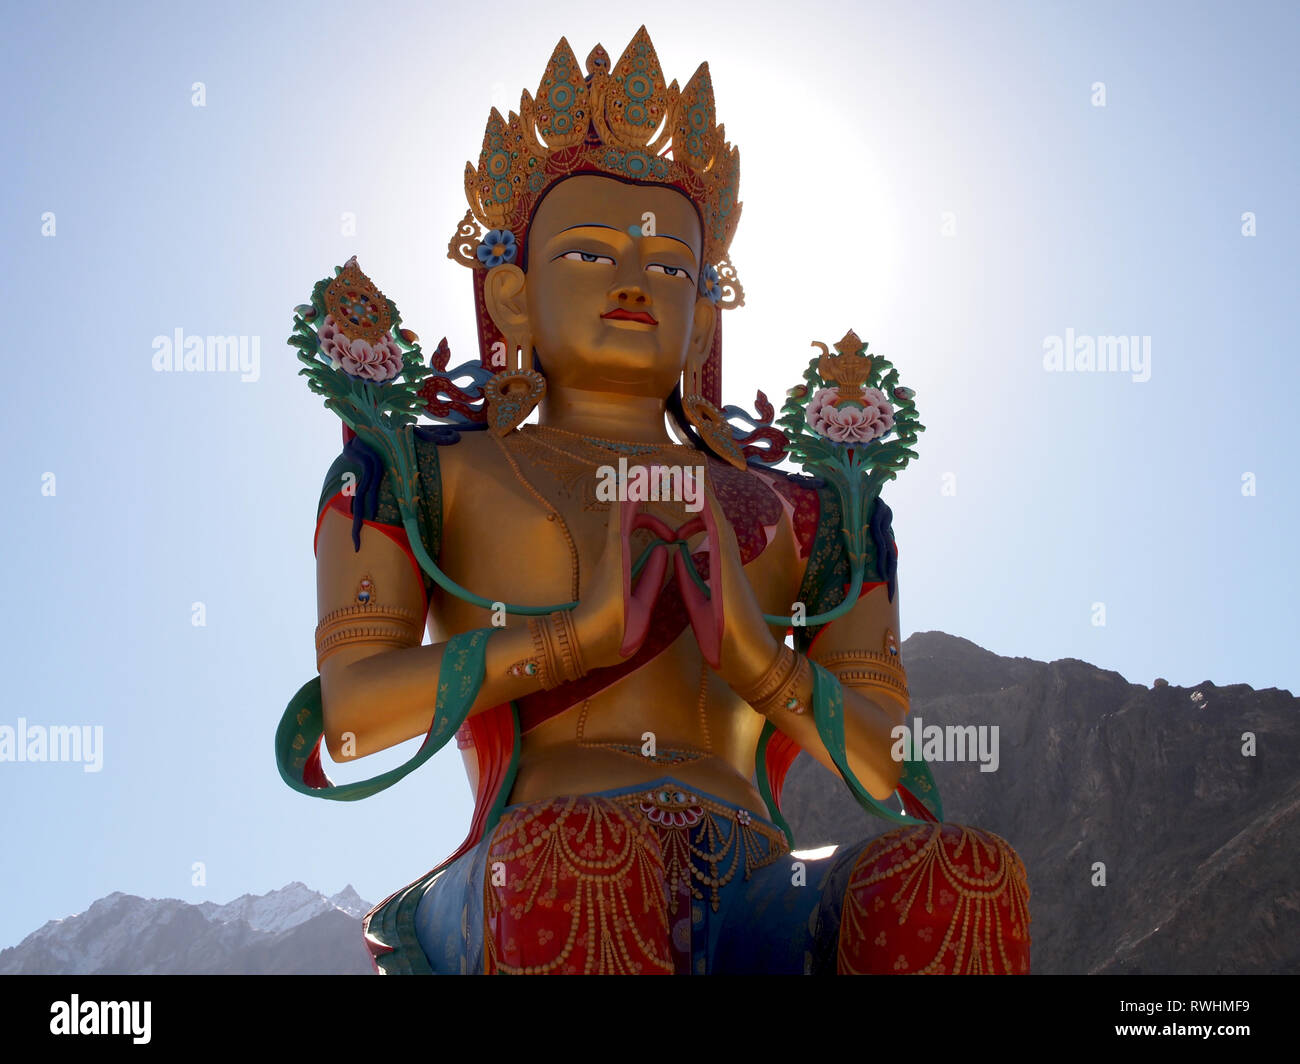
(570, 457)
(552, 514)
(600, 443)
(575, 468)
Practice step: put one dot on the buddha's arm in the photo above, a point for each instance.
(870, 712)
(766, 674)
(851, 648)
(378, 684)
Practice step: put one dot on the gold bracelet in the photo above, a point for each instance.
(556, 649)
(548, 673)
(781, 665)
(780, 684)
(566, 639)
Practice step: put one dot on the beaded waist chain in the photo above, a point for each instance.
(705, 842)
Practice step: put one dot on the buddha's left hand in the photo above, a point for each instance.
(747, 646)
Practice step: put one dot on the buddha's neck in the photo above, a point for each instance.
(607, 415)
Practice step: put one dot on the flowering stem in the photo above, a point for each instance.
(846, 474)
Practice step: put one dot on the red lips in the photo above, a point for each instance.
(705, 613)
(630, 315)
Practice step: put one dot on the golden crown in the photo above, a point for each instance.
(620, 120)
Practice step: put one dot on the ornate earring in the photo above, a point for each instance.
(710, 422)
(512, 393)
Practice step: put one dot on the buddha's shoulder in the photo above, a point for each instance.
(465, 458)
(465, 452)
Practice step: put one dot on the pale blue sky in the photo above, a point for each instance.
(858, 133)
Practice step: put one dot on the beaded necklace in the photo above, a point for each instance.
(553, 438)
(540, 445)
(578, 465)
(552, 514)
(571, 458)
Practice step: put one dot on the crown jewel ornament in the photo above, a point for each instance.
(619, 119)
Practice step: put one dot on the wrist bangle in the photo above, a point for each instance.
(548, 673)
(570, 651)
(780, 684)
(556, 649)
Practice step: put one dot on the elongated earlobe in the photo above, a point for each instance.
(710, 422)
(516, 388)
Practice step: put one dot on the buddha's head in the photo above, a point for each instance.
(607, 292)
(607, 206)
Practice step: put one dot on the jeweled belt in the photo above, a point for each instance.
(699, 850)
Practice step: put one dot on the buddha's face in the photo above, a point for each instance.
(606, 307)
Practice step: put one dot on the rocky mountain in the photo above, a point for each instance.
(292, 931)
(1198, 837)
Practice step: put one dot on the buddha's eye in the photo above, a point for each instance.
(586, 256)
(671, 271)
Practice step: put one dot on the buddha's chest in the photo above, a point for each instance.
(529, 518)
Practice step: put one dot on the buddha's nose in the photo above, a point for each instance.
(631, 297)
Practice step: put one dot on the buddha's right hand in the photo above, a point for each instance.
(613, 616)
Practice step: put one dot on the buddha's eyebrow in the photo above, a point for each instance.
(669, 236)
(601, 225)
(591, 225)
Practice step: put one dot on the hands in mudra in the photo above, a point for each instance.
(615, 611)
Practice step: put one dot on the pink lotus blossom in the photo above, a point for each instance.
(332, 342)
(874, 397)
(378, 362)
(857, 421)
(822, 399)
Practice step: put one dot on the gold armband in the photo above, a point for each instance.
(368, 625)
(868, 670)
(779, 687)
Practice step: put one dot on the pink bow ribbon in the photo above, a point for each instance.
(704, 611)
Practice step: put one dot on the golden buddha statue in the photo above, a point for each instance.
(626, 743)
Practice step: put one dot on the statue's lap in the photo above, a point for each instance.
(659, 879)
(681, 878)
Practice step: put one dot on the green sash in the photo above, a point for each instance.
(828, 714)
(303, 723)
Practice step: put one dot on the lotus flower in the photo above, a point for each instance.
(856, 421)
(377, 362)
